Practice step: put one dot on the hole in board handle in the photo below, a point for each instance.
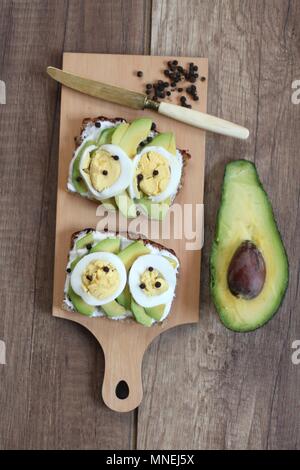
(122, 390)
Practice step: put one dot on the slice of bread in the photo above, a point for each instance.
(74, 253)
(89, 125)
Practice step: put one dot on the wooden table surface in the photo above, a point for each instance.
(205, 387)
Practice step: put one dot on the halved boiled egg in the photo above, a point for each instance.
(98, 278)
(152, 280)
(156, 174)
(106, 170)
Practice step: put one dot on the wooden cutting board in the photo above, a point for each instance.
(124, 342)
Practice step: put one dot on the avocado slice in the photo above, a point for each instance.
(125, 298)
(165, 140)
(172, 261)
(111, 244)
(119, 133)
(86, 240)
(136, 132)
(155, 312)
(132, 252)
(110, 204)
(113, 309)
(246, 220)
(106, 135)
(140, 314)
(75, 261)
(155, 210)
(77, 180)
(126, 205)
(79, 304)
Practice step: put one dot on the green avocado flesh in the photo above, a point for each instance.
(79, 304)
(165, 140)
(140, 314)
(86, 240)
(246, 214)
(113, 309)
(119, 133)
(126, 205)
(155, 312)
(137, 131)
(111, 245)
(77, 180)
(155, 210)
(124, 298)
(132, 252)
(106, 136)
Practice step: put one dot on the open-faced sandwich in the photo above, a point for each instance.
(114, 276)
(129, 166)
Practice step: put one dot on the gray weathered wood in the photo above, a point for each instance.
(208, 387)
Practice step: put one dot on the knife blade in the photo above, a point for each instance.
(135, 100)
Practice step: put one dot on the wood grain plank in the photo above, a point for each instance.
(49, 392)
(221, 389)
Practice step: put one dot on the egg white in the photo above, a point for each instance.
(122, 182)
(76, 282)
(175, 165)
(166, 270)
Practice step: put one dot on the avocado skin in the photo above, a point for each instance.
(243, 163)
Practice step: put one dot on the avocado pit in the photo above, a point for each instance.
(246, 272)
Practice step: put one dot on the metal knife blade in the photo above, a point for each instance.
(104, 91)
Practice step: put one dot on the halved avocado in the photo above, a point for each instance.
(165, 140)
(79, 304)
(126, 205)
(155, 312)
(132, 252)
(249, 265)
(113, 309)
(136, 133)
(77, 180)
(154, 210)
(140, 314)
(110, 244)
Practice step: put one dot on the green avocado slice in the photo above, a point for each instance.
(246, 215)
(110, 244)
(79, 304)
(132, 252)
(154, 210)
(140, 314)
(155, 312)
(113, 309)
(124, 298)
(77, 180)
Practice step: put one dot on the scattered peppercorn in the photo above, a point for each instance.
(140, 73)
(89, 278)
(78, 179)
(115, 157)
(142, 285)
(180, 90)
(88, 246)
(69, 270)
(155, 172)
(138, 213)
(98, 124)
(202, 79)
(168, 93)
(150, 269)
(157, 284)
(106, 269)
(149, 86)
(105, 172)
(153, 126)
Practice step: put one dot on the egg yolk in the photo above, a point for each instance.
(104, 169)
(152, 173)
(152, 282)
(100, 279)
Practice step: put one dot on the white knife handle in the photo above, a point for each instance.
(203, 121)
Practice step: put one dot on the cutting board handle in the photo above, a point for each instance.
(122, 388)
